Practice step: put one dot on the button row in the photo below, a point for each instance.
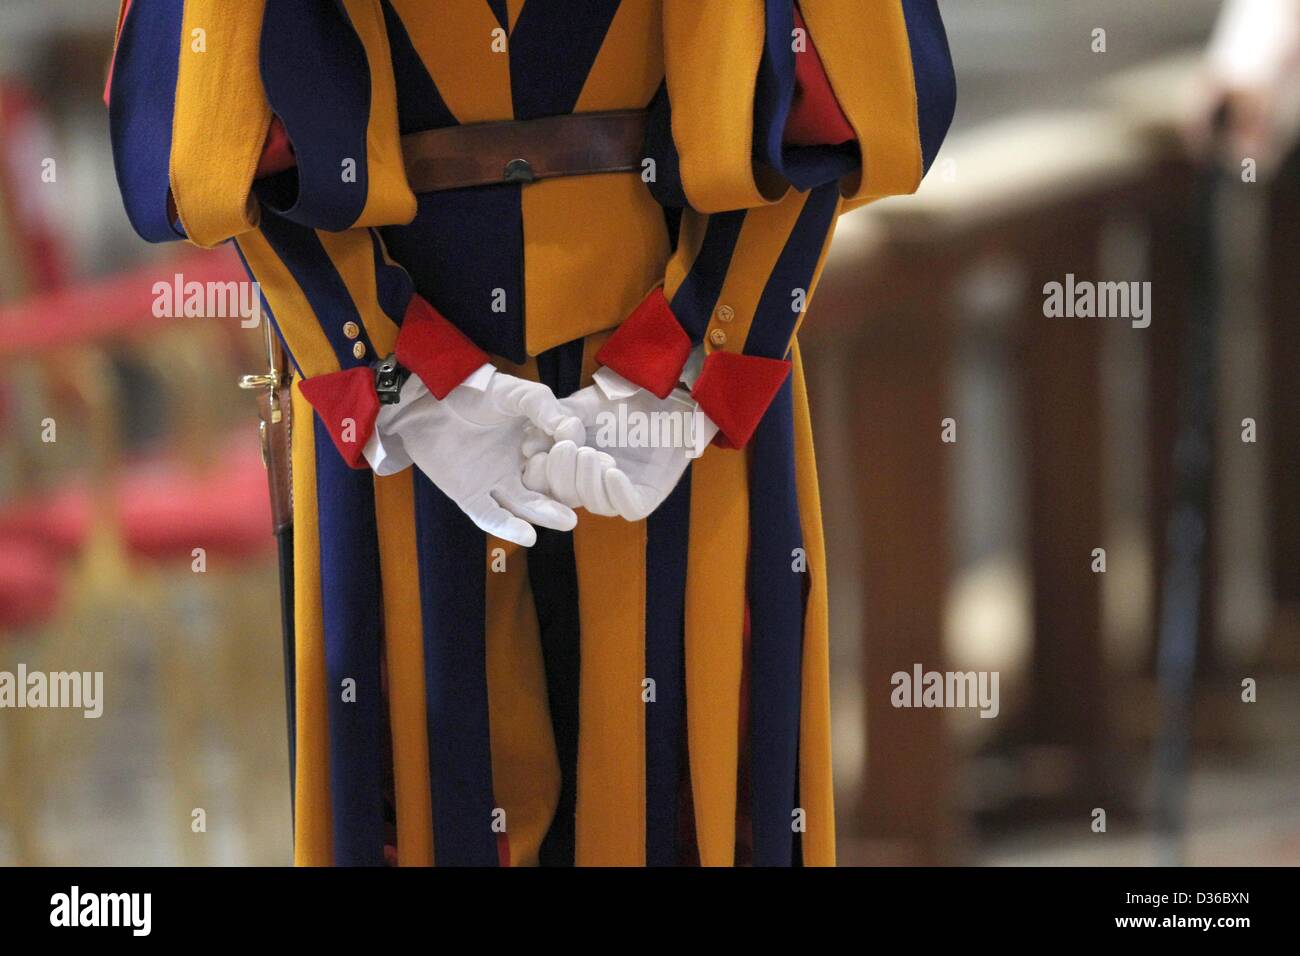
(717, 336)
(352, 330)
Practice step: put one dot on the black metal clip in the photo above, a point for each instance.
(390, 376)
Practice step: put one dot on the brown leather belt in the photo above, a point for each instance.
(524, 151)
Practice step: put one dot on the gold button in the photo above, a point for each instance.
(359, 349)
(351, 329)
(726, 313)
(718, 337)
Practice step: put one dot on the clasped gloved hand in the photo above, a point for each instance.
(469, 445)
(637, 447)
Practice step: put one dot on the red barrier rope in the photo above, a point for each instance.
(118, 306)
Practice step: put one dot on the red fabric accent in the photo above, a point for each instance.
(434, 349)
(340, 397)
(277, 152)
(735, 390)
(815, 117)
(650, 347)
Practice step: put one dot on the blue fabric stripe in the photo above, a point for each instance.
(696, 297)
(393, 285)
(141, 105)
(776, 609)
(936, 82)
(804, 166)
(774, 88)
(552, 49)
(419, 104)
(300, 249)
(317, 79)
(484, 226)
(349, 578)
(775, 317)
(452, 556)
(501, 12)
(553, 575)
(667, 541)
(666, 186)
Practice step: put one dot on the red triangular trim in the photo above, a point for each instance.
(434, 349)
(735, 390)
(650, 347)
(343, 398)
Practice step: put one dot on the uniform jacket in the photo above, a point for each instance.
(276, 124)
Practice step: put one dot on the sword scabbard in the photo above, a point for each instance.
(274, 408)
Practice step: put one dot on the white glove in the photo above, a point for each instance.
(638, 445)
(469, 444)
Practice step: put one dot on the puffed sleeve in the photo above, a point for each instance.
(776, 117)
(193, 89)
(273, 123)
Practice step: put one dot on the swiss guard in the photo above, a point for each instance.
(486, 231)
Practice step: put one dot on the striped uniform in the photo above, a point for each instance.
(505, 688)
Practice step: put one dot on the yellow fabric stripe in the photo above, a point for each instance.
(474, 80)
(313, 825)
(298, 324)
(354, 260)
(711, 57)
(513, 7)
(629, 67)
(389, 199)
(525, 766)
(611, 738)
(763, 237)
(404, 650)
(576, 227)
(868, 59)
(816, 790)
(715, 621)
(220, 120)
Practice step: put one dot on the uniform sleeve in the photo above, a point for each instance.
(193, 88)
(775, 119)
(274, 123)
(339, 303)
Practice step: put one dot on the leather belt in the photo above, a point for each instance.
(524, 151)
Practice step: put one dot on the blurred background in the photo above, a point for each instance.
(123, 439)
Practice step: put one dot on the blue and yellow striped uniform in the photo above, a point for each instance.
(505, 680)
